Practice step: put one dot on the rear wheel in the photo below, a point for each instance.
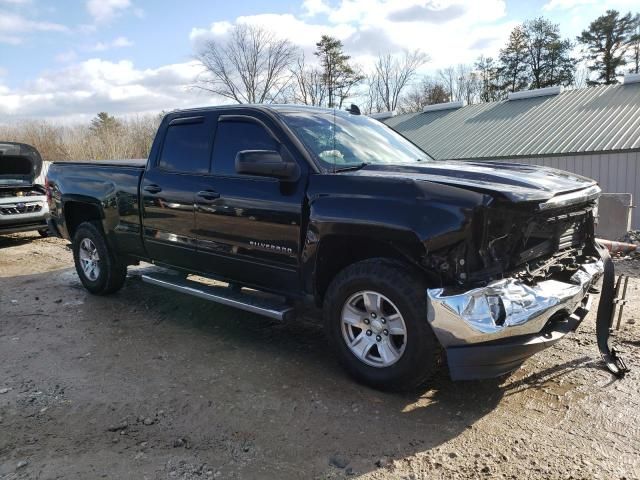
(376, 319)
(99, 269)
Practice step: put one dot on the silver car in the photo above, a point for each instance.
(23, 204)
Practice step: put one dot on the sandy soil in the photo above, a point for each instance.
(152, 384)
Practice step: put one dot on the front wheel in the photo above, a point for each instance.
(98, 267)
(376, 319)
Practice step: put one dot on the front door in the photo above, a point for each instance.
(248, 227)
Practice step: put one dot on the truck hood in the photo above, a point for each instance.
(513, 181)
(20, 164)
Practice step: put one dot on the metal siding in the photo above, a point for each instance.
(594, 119)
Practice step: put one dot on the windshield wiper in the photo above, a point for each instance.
(351, 168)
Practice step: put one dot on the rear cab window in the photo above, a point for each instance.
(187, 145)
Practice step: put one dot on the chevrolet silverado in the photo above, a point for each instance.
(414, 262)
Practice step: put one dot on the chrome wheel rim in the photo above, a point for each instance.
(89, 259)
(373, 329)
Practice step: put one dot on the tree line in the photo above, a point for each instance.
(253, 65)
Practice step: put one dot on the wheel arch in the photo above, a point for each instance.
(78, 211)
(336, 252)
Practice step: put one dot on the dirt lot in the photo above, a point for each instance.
(151, 384)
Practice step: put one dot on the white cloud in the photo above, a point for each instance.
(367, 27)
(10, 39)
(66, 57)
(565, 4)
(80, 90)
(449, 31)
(590, 9)
(315, 7)
(120, 42)
(13, 27)
(106, 10)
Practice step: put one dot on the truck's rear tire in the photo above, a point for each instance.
(98, 267)
(376, 319)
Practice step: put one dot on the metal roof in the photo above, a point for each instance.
(594, 119)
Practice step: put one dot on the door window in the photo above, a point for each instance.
(186, 146)
(235, 136)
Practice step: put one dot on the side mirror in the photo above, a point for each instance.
(266, 163)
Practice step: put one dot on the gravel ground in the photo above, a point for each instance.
(152, 384)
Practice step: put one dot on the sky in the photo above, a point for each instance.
(69, 59)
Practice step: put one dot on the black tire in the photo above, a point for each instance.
(112, 272)
(406, 288)
(44, 232)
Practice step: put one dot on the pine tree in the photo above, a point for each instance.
(338, 75)
(513, 61)
(549, 56)
(490, 79)
(103, 123)
(606, 43)
(634, 44)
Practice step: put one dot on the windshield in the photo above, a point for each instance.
(340, 140)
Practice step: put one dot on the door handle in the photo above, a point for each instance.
(153, 188)
(208, 195)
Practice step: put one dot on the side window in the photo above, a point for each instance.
(186, 146)
(234, 136)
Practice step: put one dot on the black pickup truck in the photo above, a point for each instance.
(412, 261)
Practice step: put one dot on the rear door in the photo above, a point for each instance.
(248, 228)
(169, 186)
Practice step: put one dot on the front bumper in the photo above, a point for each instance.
(21, 214)
(492, 330)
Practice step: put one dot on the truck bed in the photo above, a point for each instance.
(110, 188)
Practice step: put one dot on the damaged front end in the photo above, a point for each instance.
(520, 282)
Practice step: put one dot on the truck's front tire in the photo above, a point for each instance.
(376, 319)
(98, 267)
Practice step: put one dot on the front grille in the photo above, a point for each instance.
(20, 208)
(570, 229)
(553, 234)
(571, 236)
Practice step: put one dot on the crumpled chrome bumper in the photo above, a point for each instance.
(506, 308)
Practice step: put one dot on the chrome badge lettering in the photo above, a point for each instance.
(273, 248)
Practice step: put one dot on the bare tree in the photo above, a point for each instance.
(427, 92)
(309, 87)
(460, 82)
(251, 66)
(392, 75)
(370, 101)
(448, 79)
(468, 84)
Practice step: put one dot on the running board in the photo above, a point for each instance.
(254, 303)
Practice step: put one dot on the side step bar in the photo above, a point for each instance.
(254, 303)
